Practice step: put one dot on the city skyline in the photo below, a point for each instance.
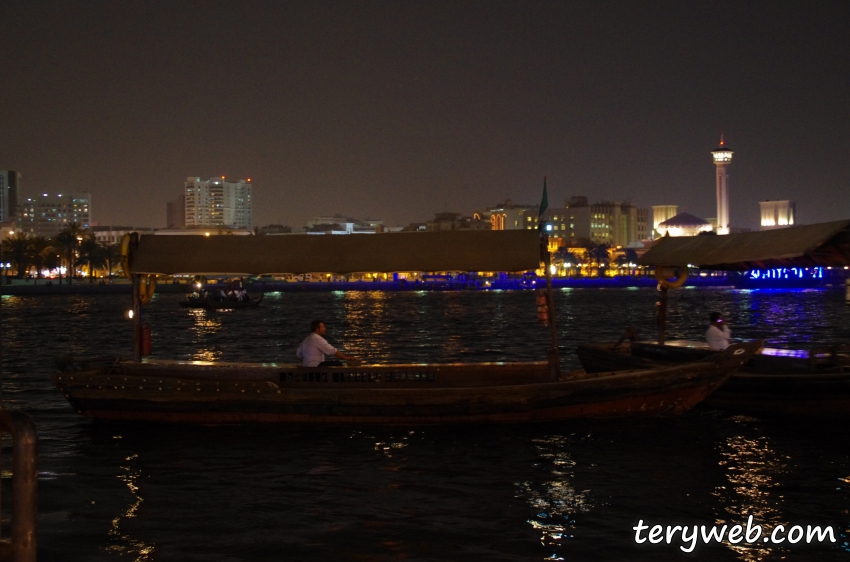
(398, 111)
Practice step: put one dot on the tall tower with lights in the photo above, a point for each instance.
(722, 158)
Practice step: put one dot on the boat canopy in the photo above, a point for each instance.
(815, 245)
(504, 250)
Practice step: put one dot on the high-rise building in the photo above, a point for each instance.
(10, 185)
(777, 214)
(216, 202)
(722, 158)
(605, 222)
(48, 215)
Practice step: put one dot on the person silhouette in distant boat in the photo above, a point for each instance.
(718, 332)
(314, 347)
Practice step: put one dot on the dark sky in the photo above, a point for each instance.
(397, 110)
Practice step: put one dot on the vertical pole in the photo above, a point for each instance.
(24, 485)
(1, 394)
(554, 354)
(1, 345)
(661, 318)
(137, 318)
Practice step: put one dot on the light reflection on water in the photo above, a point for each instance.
(753, 470)
(555, 501)
(123, 543)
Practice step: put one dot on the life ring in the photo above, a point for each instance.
(147, 286)
(664, 283)
(125, 255)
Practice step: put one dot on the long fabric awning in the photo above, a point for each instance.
(508, 250)
(824, 244)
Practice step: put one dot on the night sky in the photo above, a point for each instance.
(398, 110)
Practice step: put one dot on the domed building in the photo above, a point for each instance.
(683, 224)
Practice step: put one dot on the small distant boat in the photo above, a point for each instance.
(211, 303)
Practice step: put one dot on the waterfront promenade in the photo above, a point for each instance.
(22, 287)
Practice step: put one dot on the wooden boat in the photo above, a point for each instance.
(210, 303)
(812, 381)
(204, 392)
(144, 388)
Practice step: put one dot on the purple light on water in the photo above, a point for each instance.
(776, 352)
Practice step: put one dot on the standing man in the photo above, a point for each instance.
(314, 347)
(718, 332)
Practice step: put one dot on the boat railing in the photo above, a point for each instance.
(359, 375)
(449, 373)
(21, 544)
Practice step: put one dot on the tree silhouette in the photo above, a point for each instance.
(16, 249)
(66, 242)
(41, 251)
(599, 255)
(92, 253)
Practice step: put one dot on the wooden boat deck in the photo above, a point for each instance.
(203, 392)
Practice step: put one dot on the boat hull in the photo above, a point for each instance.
(815, 382)
(383, 394)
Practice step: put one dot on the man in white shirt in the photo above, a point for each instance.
(718, 332)
(313, 349)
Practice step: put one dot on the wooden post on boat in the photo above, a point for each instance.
(554, 354)
(661, 314)
(664, 285)
(137, 318)
(129, 245)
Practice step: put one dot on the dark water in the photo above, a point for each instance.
(570, 490)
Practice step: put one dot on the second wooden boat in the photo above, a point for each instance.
(813, 380)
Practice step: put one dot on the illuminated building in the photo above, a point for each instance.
(48, 215)
(216, 202)
(604, 222)
(722, 158)
(661, 213)
(10, 185)
(510, 216)
(683, 224)
(777, 214)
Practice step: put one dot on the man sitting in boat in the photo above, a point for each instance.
(314, 347)
(718, 332)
